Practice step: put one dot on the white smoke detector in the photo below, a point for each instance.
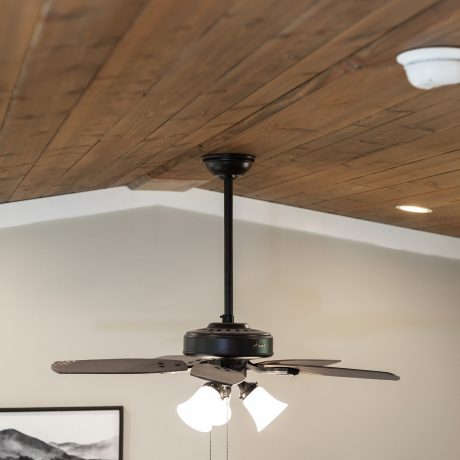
(428, 68)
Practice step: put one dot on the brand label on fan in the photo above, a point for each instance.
(258, 345)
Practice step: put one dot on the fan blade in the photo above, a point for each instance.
(344, 372)
(217, 374)
(119, 366)
(297, 362)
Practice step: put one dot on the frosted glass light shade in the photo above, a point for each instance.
(263, 407)
(205, 409)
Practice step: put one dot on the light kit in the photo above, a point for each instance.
(210, 406)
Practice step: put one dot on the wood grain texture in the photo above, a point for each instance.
(71, 41)
(148, 51)
(117, 92)
(17, 22)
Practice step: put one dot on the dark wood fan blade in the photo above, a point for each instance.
(344, 372)
(119, 366)
(217, 374)
(297, 362)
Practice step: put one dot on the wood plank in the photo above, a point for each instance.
(311, 157)
(420, 116)
(360, 35)
(145, 54)
(338, 180)
(303, 35)
(437, 111)
(450, 229)
(71, 41)
(300, 114)
(374, 83)
(444, 203)
(402, 192)
(235, 36)
(17, 21)
(411, 171)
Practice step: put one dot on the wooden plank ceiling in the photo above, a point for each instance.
(103, 93)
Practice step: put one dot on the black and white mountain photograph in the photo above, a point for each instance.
(61, 434)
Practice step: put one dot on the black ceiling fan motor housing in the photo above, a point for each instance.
(231, 340)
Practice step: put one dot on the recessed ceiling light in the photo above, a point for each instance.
(411, 208)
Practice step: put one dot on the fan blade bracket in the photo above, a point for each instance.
(279, 370)
(297, 362)
(190, 361)
(217, 374)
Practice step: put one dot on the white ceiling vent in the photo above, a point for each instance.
(428, 68)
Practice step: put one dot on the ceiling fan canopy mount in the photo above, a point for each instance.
(228, 164)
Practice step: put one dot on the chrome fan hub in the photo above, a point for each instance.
(229, 340)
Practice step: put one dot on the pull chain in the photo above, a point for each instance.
(227, 431)
(226, 440)
(210, 445)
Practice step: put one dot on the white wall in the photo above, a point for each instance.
(128, 284)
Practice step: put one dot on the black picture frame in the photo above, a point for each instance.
(119, 409)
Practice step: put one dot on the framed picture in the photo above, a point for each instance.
(61, 433)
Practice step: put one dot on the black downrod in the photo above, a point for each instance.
(228, 166)
(227, 317)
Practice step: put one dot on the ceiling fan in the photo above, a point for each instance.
(222, 353)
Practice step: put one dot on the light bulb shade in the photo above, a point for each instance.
(263, 407)
(205, 409)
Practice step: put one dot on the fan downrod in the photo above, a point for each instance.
(228, 166)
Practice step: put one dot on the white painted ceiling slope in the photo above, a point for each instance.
(246, 209)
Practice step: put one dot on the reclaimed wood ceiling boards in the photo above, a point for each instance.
(97, 94)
